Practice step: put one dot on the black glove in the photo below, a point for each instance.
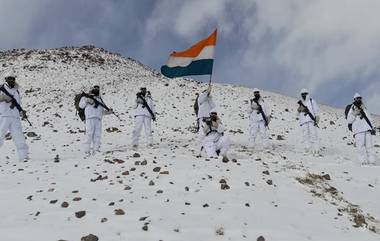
(350, 127)
(23, 115)
(154, 118)
(373, 132)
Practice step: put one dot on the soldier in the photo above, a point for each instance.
(215, 142)
(94, 109)
(258, 119)
(144, 114)
(360, 123)
(308, 114)
(10, 113)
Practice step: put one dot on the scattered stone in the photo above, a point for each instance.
(53, 201)
(156, 169)
(119, 161)
(224, 186)
(247, 205)
(266, 172)
(151, 183)
(143, 163)
(126, 173)
(332, 123)
(65, 205)
(103, 220)
(160, 191)
(269, 182)
(164, 172)
(143, 218)
(76, 199)
(31, 134)
(80, 214)
(112, 129)
(119, 211)
(145, 227)
(326, 177)
(56, 158)
(127, 187)
(219, 231)
(136, 155)
(89, 237)
(222, 181)
(359, 220)
(111, 204)
(30, 197)
(205, 205)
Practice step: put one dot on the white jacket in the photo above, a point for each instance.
(89, 109)
(359, 124)
(312, 105)
(214, 133)
(141, 110)
(5, 107)
(254, 113)
(205, 104)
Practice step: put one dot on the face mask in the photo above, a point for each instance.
(304, 96)
(214, 117)
(358, 102)
(11, 84)
(257, 96)
(95, 92)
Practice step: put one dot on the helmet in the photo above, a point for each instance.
(304, 91)
(357, 95)
(256, 90)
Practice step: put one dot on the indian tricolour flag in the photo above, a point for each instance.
(197, 60)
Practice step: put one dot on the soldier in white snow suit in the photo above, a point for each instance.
(259, 118)
(205, 106)
(144, 113)
(94, 115)
(10, 120)
(215, 143)
(360, 123)
(308, 114)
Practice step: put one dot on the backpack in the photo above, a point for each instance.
(79, 111)
(347, 109)
(196, 107)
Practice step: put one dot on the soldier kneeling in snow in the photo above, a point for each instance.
(10, 116)
(359, 122)
(214, 141)
(94, 111)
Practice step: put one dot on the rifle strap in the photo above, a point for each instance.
(19, 108)
(145, 104)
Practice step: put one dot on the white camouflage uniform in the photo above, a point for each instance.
(10, 121)
(214, 139)
(143, 118)
(310, 131)
(362, 134)
(257, 123)
(94, 118)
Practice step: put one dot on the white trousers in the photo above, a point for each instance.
(310, 136)
(364, 147)
(140, 122)
(93, 134)
(222, 145)
(258, 128)
(13, 125)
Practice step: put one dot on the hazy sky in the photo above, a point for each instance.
(331, 47)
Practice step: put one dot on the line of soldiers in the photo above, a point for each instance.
(211, 131)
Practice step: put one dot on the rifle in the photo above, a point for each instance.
(261, 112)
(145, 104)
(308, 113)
(16, 104)
(100, 103)
(367, 120)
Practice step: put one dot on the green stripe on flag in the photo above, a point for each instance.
(197, 67)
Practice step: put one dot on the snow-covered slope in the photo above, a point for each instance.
(165, 192)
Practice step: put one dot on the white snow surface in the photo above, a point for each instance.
(184, 199)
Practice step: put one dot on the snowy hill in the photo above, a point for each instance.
(165, 192)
